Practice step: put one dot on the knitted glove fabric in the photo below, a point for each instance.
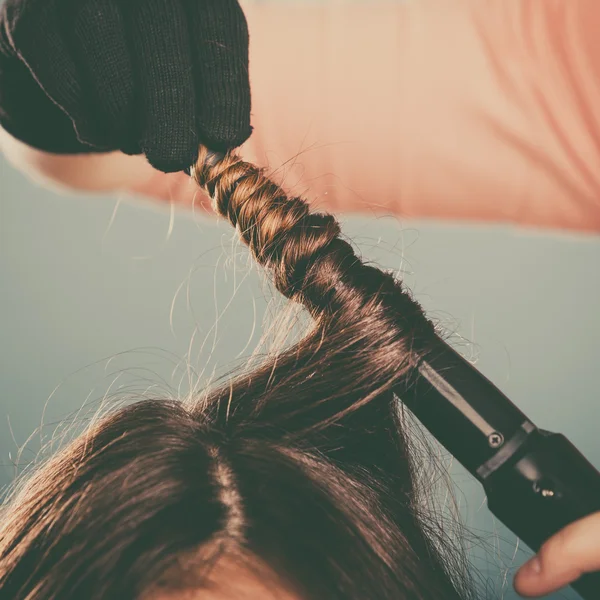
(153, 77)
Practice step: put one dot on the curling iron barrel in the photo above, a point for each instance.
(536, 482)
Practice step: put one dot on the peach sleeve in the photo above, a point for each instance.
(470, 110)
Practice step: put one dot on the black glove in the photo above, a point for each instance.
(153, 77)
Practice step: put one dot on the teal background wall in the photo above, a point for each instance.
(98, 305)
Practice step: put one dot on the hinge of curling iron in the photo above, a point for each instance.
(508, 450)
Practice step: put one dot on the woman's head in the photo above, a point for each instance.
(292, 481)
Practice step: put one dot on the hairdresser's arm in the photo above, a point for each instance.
(85, 172)
(450, 138)
(102, 173)
(562, 559)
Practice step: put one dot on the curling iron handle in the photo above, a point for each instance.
(546, 486)
(536, 482)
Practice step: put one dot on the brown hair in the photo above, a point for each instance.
(302, 463)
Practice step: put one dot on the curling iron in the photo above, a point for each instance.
(536, 481)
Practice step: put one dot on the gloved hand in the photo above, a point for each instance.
(153, 77)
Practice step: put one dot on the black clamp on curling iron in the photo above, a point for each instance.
(536, 481)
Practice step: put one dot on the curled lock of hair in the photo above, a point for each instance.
(304, 252)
